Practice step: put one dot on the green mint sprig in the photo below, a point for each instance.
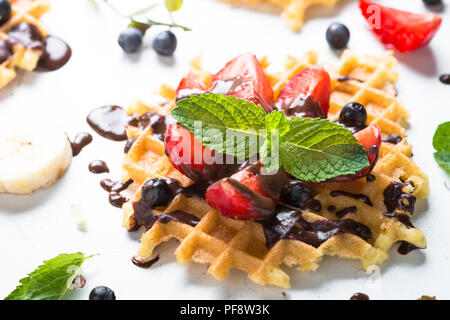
(310, 149)
(171, 6)
(51, 280)
(441, 142)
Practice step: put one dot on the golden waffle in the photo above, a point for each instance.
(22, 11)
(224, 243)
(293, 11)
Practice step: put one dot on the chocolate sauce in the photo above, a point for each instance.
(360, 296)
(331, 208)
(98, 166)
(80, 141)
(26, 34)
(341, 213)
(406, 247)
(396, 199)
(303, 196)
(56, 54)
(301, 107)
(288, 223)
(144, 264)
(393, 138)
(157, 122)
(128, 145)
(110, 122)
(359, 196)
(347, 78)
(114, 188)
(6, 50)
(401, 217)
(445, 78)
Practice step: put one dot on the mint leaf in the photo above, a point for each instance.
(50, 280)
(441, 142)
(223, 123)
(317, 150)
(310, 149)
(173, 5)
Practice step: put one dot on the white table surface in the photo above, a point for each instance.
(38, 227)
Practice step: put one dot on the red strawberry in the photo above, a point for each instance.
(406, 31)
(190, 84)
(188, 155)
(247, 194)
(244, 77)
(307, 94)
(370, 138)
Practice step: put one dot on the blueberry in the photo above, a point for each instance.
(156, 192)
(338, 35)
(102, 293)
(165, 43)
(130, 39)
(5, 11)
(432, 2)
(353, 114)
(296, 194)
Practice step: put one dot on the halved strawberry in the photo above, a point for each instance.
(244, 77)
(406, 31)
(190, 84)
(370, 138)
(307, 94)
(188, 155)
(247, 194)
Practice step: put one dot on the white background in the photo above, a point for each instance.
(38, 227)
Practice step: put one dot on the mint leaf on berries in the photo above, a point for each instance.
(441, 142)
(51, 280)
(310, 149)
(228, 124)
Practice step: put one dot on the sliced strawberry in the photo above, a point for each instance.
(247, 194)
(188, 155)
(370, 138)
(244, 77)
(307, 94)
(404, 30)
(190, 84)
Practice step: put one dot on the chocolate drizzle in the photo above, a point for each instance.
(396, 199)
(157, 122)
(80, 141)
(359, 196)
(393, 138)
(401, 217)
(98, 166)
(110, 122)
(360, 296)
(301, 107)
(370, 178)
(6, 50)
(129, 144)
(114, 188)
(144, 264)
(341, 213)
(406, 247)
(347, 78)
(445, 78)
(55, 52)
(288, 223)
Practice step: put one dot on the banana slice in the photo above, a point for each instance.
(32, 158)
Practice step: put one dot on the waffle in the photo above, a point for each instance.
(224, 243)
(293, 11)
(22, 57)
